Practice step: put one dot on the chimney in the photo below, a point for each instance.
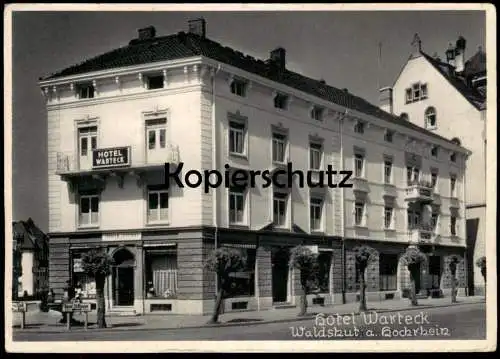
(450, 55)
(416, 45)
(147, 33)
(460, 55)
(385, 99)
(278, 59)
(198, 27)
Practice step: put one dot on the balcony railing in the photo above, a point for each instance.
(419, 191)
(422, 234)
(69, 162)
(360, 185)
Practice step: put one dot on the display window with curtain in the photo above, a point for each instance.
(161, 273)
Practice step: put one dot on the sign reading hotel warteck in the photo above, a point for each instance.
(111, 157)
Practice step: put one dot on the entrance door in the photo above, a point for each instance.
(124, 286)
(280, 271)
(434, 272)
(123, 278)
(418, 279)
(87, 141)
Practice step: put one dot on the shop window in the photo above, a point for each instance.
(388, 266)
(82, 283)
(243, 282)
(161, 273)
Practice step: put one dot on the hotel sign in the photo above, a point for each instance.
(111, 157)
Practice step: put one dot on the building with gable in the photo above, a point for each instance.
(116, 119)
(448, 97)
(32, 253)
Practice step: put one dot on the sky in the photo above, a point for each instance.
(338, 46)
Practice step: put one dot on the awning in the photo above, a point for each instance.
(239, 245)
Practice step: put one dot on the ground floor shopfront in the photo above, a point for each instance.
(162, 271)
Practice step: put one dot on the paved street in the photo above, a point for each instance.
(458, 322)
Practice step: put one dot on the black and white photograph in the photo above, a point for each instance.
(243, 177)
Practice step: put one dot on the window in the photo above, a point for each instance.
(413, 219)
(238, 87)
(453, 225)
(434, 220)
(434, 178)
(434, 151)
(387, 171)
(388, 135)
(236, 205)
(85, 91)
(359, 127)
(156, 133)
(453, 157)
(324, 263)
(408, 95)
(358, 165)
(161, 272)
(430, 118)
(86, 135)
(281, 101)
(388, 266)
(236, 137)
(404, 116)
(279, 147)
(423, 89)
(155, 82)
(453, 182)
(317, 113)
(89, 210)
(279, 209)
(359, 208)
(416, 92)
(157, 204)
(412, 175)
(316, 214)
(315, 155)
(388, 214)
(243, 283)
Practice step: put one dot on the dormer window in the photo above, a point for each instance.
(85, 91)
(359, 127)
(155, 82)
(239, 87)
(388, 136)
(434, 151)
(281, 101)
(317, 113)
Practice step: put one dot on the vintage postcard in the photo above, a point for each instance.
(242, 178)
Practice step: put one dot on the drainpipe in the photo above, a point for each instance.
(214, 163)
(341, 125)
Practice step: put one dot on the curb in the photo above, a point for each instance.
(227, 324)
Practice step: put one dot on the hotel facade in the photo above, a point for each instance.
(115, 120)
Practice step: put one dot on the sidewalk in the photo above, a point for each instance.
(37, 321)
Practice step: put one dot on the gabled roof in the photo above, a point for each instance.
(182, 45)
(32, 237)
(476, 98)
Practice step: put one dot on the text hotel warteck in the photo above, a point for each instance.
(111, 157)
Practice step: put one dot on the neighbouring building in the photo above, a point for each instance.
(115, 120)
(448, 97)
(31, 245)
